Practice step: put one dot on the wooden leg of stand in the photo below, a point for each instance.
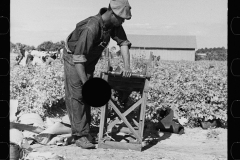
(142, 116)
(143, 110)
(106, 116)
(102, 122)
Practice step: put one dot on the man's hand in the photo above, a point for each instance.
(81, 72)
(126, 72)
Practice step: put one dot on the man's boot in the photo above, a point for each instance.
(84, 143)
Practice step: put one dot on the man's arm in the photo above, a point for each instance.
(83, 47)
(120, 37)
(126, 56)
(126, 60)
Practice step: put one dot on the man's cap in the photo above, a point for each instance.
(121, 8)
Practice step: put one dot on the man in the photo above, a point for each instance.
(53, 55)
(49, 60)
(83, 48)
(21, 54)
(29, 58)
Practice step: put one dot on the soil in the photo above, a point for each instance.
(195, 143)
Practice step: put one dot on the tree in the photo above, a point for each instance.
(29, 47)
(216, 53)
(19, 45)
(32, 48)
(45, 46)
(59, 45)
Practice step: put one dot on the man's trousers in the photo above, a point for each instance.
(78, 112)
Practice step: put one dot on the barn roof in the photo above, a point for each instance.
(162, 41)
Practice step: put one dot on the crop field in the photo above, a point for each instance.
(197, 90)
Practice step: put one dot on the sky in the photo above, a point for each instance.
(35, 21)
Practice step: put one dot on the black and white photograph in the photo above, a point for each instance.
(118, 79)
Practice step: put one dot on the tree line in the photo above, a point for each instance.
(45, 46)
(218, 54)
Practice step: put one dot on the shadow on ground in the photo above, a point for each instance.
(151, 138)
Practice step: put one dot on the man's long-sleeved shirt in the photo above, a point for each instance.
(87, 42)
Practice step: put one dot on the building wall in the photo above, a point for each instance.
(188, 55)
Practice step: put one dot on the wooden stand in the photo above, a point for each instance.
(137, 82)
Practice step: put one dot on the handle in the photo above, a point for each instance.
(134, 75)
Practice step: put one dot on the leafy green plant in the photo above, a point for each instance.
(198, 90)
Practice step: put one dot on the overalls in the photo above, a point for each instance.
(80, 113)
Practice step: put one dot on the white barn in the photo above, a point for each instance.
(168, 47)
